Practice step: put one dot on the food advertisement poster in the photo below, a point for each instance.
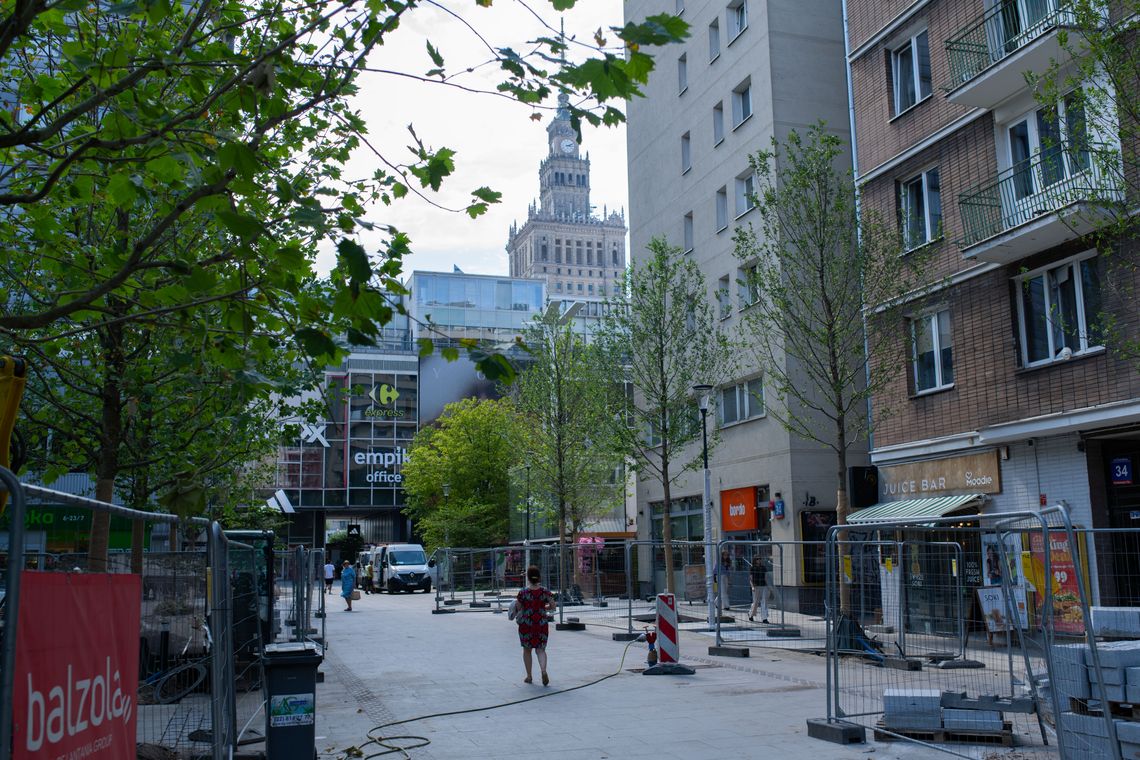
(1068, 617)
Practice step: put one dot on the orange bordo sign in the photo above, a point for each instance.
(75, 685)
(738, 509)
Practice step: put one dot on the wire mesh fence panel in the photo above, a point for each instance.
(988, 641)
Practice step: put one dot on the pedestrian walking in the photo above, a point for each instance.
(761, 591)
(368, 578)
(347, 584)
(531, 606)
(330, 571)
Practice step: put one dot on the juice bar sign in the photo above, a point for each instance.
(972, 473)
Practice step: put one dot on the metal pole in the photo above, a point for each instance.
(12, 603)
(628, 589)
(710, 559)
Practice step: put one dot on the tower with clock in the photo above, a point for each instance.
(563, 241)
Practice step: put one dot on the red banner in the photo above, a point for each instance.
(77, 666)
(738, 509)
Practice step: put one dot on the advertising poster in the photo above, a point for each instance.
(995, 571)
(1068, 617)
(76, 684)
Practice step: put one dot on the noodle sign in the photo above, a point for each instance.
(77, 666)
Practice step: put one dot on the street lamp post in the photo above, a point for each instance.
(526, 540)
(703, 392)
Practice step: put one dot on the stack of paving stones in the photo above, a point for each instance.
(1086, 733)
(912, 710)
(1116, 622)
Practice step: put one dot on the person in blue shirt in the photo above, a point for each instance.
(347, 584)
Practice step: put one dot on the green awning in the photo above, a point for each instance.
(916, 509)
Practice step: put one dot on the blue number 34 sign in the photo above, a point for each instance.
(1122, 471)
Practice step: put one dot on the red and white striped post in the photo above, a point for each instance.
(668, 640)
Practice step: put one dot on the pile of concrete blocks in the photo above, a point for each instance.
(1116, 622)
(912, 709)
(971, 721)
(1085, 737)
(1116, 659)
(1070, 670)
(1128, 734)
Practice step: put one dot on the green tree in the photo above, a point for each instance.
(663, 331)
(202, 149)
(467, 453)
(563, 398)
(813, 265)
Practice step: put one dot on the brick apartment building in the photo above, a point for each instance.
(1010, 391)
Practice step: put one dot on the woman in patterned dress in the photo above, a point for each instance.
(534, 602)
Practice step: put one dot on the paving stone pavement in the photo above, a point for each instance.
(391, 660)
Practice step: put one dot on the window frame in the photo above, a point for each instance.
(742, 395)
(686, 154)
(687, 232)
(718, 123)
(721, 206)
(714, 39)
(1085, 332)
(931, 321)
(737, 19)
(724, 297)
(911, 44)
(932, 231)
(747, 182)
(682, 74)
(747, 287)
(741, 96)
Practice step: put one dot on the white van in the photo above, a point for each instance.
(402, 567)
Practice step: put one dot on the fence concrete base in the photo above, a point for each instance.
(627, 636)
(729, 651)
(570, 626)
(837, 733)
(443, 612)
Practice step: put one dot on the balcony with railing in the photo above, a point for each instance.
(988, 58)
(1059, 194)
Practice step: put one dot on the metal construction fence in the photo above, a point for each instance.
(200, 638)
(299, 595)
(615, 585)
(1012, 629)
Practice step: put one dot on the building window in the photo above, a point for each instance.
(714, 40)
(1058, 135)
(1058, 308)
(920, 209)
(748, 285)
(718, 124)
(910, 67)
(721, 209)
(688, 232)
(686, 154)
(737, 19)
(932, 352)
(558, 286)
(742, 103)
(741, 402)
(680, 7)
(723, 298)
(745, 194)
(682, 74)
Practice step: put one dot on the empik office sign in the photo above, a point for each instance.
(387, 459)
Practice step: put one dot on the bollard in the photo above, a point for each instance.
(668, 642)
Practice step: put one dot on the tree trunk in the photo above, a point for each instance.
(666, 526)
(841, 519)
(110, 438)
(138, 535)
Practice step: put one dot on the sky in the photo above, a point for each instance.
(496, 142)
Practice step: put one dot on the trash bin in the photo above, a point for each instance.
(290, 715)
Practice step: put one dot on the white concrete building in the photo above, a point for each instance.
(749, 71)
